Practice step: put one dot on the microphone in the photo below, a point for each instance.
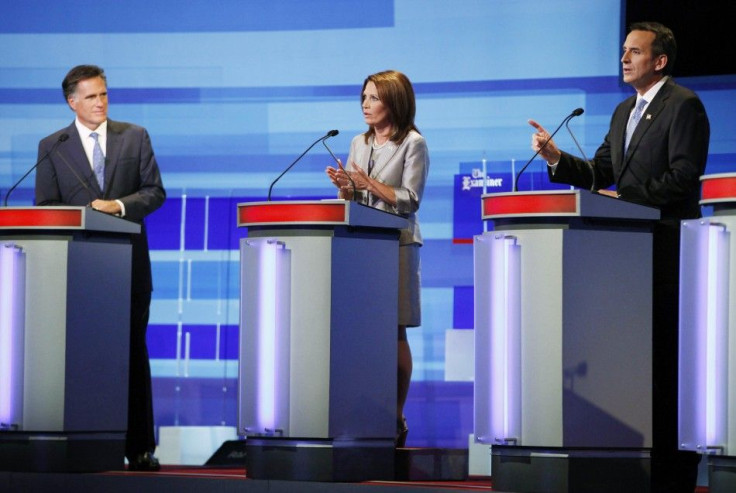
(582, 152)
(329, 134)
(575, 112)
(324, 143)
(62, 138)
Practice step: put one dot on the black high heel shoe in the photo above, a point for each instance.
(402, 430)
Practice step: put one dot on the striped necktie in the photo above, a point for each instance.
(634, 121)
(98, 161)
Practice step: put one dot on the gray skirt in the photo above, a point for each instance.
(410, 306)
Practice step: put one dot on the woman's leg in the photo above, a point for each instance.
(404, 379)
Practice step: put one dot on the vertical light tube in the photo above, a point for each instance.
(498, 340)
(180, 287)
(703, 352)
(505, 347)
(12, 334)
(267, 339)
(187, 352)
(217, 341)
(513, 340)
(264, 357)
(499, 323)
(711, 362)
(183, 224)
(179, 339)
(717, 328)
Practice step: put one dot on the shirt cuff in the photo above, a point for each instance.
(122, 208)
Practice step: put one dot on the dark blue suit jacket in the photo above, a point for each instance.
(665, 158)
(131, 176)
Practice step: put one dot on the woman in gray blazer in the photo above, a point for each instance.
(387, 169)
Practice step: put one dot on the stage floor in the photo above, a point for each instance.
(197, 479)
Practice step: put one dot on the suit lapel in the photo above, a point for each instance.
(647, 120)
(618, 138)
(618, 135)
(385, 156)
(365, 158)
(114, 144)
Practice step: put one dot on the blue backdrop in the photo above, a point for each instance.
(232, 91)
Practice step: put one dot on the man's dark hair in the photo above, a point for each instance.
(664, 42)
(78, 74)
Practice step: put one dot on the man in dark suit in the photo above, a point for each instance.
(654, 154)
(110, 166)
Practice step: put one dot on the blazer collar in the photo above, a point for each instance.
(115, 142)
(386, 154)
(81, 164)
(75, 158)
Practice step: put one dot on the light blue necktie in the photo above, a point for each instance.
(634, 121)
(98, 161)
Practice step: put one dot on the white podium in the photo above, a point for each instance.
(68, 364)
(563, 323)
(708, 333)
(318, 353)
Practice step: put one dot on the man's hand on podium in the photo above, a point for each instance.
(610, 193)
(107, 206)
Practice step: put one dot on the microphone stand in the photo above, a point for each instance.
(587, 161)
(329, 134)
(352, 183)
(62, 138)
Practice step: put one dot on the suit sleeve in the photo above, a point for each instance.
(416, 166)
(150, 193)
(579, 173)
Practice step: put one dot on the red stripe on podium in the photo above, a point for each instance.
(521, 204)
(276, 213)
(40, 218)
(719, 188)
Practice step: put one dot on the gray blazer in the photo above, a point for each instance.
(402, 167)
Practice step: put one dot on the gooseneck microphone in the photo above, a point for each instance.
(575, 112)
(582, 152)
(62, 138)
(329, 134)
(337, 161)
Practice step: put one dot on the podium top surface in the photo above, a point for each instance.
(562, 203)
(718, 188)
(63, 218)
(335, 212)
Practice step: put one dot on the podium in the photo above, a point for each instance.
(563, 327)
(65, 339)
(708, 333)
(318, 352)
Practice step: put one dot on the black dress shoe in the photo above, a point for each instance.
(144, 462)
